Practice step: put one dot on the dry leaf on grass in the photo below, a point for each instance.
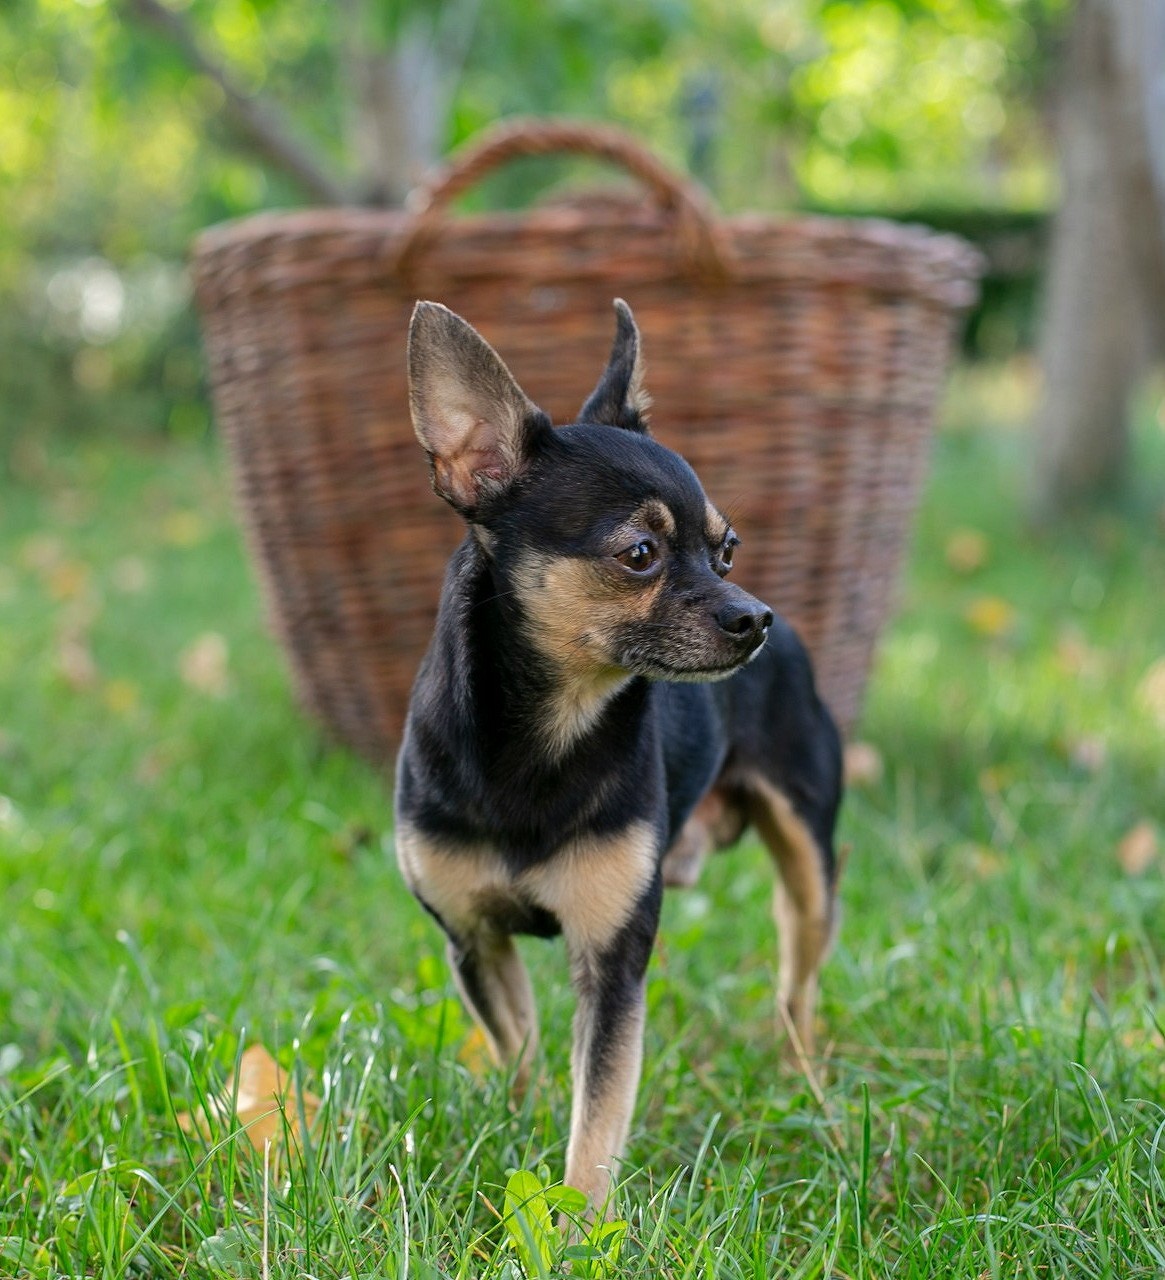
(41, 552)
(1151, 692)
(1089, 753)
(1076, 657)
(863, 765)
(184, 528)
(966, 550)
(266, 1102)
(131, 575)
(474, 1054)
(121, 696)
(1138, 848)
(990, 616)
(985, 861)
(75, 662)
(67, 580)
(203, 664)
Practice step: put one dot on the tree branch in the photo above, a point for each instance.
(258, 126)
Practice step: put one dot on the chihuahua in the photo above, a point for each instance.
(599, 708)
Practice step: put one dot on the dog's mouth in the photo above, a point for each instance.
(656, 667)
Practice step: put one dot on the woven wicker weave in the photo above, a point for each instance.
(795, 362)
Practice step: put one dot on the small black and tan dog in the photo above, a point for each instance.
(566, 754)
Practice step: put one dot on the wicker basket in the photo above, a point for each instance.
(795, 362)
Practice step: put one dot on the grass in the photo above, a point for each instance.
(187, 871)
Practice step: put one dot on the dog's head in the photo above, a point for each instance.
(616, 559)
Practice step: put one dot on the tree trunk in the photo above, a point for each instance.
(1106, 287)
(401, 92)
(397, 116)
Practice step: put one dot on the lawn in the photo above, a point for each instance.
(189, 872)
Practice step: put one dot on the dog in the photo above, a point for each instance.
(599, 707)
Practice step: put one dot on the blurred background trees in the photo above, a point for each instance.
(1105, 312)
(128, 125)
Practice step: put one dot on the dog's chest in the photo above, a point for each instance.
(587, 889)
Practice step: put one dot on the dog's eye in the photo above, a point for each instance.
(640, 557)
(727, 551)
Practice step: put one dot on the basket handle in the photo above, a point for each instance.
(701, 244)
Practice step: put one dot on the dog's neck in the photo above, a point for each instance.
(532, 700)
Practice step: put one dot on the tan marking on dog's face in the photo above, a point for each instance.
(716, 528)
(653, 517)
(573, 608)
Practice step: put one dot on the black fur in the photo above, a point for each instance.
(478, 770)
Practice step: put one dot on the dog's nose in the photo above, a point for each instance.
(745, 620)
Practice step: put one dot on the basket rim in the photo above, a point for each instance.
(947, 255)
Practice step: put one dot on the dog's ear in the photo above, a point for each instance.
(472, 419)
(619, 399)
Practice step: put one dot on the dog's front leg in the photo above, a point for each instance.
(607, 1053)
(496, 990)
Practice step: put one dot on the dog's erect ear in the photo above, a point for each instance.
(619, 399)
(473, 420)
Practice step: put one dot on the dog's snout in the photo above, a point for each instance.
(744, 619)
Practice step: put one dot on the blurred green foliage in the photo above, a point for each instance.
(113, 153)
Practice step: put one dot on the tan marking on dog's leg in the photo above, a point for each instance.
(685, 859)
(603, 1095)
(804, 908)
(495, 988)
(451, 880)
(716, 822)
(606, 892)
(487, 968)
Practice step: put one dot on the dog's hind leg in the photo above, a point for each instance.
(804, 907)
(496, 990)
(715, 823)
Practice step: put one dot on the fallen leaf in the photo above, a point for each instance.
(151, 767)
(266, 1102)
(75, 662)
(1138, 848)
(985, 862)
(68, 579)
(130, 575)
(184, 528)
(474, 1053)
(1151, 691)
(864, 766)
(990, 616)
(995, 777)
(41, 552)
(70, 506)
(121, 696)
(203, 663)
(1088, 753)
(966, 550)
(1075, 656)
